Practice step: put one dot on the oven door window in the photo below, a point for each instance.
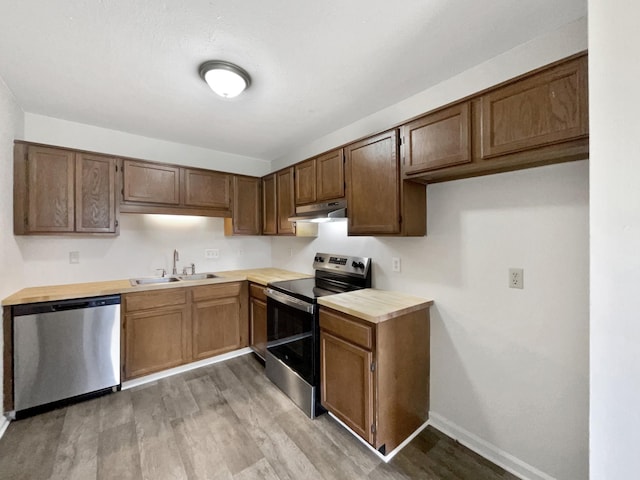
(290, 338)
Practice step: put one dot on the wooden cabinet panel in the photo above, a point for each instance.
(352, 331)
(373, 180)
(441, 139)
(246, 207)
(216, 327)
(305, 175)
(148, 182)
(347, 383)
(330, 175)
(96, 205)
(134, 302)
(269, 205)
(156, 340)
(546, 108)
(286, 201)
(207, 189)
(259, 326)
(50, 190)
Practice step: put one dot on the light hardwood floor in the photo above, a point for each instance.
(224, 421)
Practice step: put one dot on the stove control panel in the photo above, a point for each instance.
(343, 263)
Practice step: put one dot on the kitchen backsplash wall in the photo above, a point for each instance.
(146, 243)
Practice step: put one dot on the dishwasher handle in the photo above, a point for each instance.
(64, 305)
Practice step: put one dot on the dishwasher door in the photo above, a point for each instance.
(65, 349)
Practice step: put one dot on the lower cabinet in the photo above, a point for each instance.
(258, 319)
(375, 376)
(170, 327)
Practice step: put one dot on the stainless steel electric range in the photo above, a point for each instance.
(293, 333)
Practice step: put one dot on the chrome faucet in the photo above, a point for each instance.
(176, 257)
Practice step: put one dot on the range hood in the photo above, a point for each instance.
(321, 212)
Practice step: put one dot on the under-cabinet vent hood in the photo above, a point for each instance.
(321, 212)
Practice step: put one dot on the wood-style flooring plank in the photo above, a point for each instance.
(177, 397)
(118, 454)
(261, 470)
(116, 409)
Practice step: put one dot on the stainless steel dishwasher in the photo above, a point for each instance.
(65, 349)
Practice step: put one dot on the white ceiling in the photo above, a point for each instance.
(316, 65)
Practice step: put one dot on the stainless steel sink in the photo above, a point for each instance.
(152, 280)
(197, 276)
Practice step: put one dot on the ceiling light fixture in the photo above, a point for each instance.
(224, 78)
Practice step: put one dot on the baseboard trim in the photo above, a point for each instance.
(184, 368)
(385, 458)
(4, 424)
(487, 450)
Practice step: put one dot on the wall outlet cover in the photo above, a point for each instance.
(516, 278)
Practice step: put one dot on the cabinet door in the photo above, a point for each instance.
(330, 175)
(259, 327)
(305, 182)
(347, 383)
(373, 185)
(216, 326)
(269, 205)
(151, 183)
(246, 207)
(441, 139)
(207, 189)
(155, 340)
(546, 108)
(96, 208)
(50, 190)
(286, 201)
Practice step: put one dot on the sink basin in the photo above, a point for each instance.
(152, 280)
(197, 276)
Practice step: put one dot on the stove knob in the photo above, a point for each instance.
(360, 265)
(354, 264)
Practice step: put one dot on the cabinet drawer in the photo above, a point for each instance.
(154, 299)
(224, 290)
(350, 330)
(257, 291)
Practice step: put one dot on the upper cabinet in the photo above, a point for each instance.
(537, 119)
(269, 205)
(246, 207)
(286, 201)
(378, 203)
(320, 179)
(543, 109)
(150, 187)
(58, 191)
(441, 139)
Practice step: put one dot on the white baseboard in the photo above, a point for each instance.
(386, 458)
(4, 424)
(487, 450)
(184, 368)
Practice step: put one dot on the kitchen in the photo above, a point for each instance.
(487, 369)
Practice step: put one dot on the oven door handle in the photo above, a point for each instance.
(289, 301)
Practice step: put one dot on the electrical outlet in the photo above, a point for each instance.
(395, 264)
(74, 257)
(240, 252)
(516, 278)
(211, 253)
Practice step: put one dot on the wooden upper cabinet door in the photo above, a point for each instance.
(207, 189)
(373, 185)
(50, 190)
(305, 175)
(286, 201)
(330, 175)
(546, 108)
(246, 209)
(96, 208)
(346, 383)
(439, 140)
(148, 182)
(269, 205)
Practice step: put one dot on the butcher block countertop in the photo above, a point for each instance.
(374, 305)
(113, 287)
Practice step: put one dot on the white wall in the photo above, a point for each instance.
(42, 129)
(509, 371)
(11, 126)
(614, 76)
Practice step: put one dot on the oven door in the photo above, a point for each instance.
(291, 334)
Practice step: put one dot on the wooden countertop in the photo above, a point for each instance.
(112, 287)
(374, 305)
